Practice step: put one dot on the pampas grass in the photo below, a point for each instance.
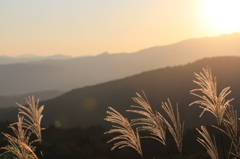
(175, 127)
(207, 142)
(155, 123)
(209, 99)
(127, 137)
(25, 129)
(231, 130)
(151, 122)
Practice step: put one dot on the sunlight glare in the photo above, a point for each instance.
(223, 15)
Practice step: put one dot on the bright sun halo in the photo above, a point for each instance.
(223, 15)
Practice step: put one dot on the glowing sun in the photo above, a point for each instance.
(223, 15)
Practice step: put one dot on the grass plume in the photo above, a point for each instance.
(231, 130)
(151, 122)
(127, 137)
(207, 142)
(155, 123)
(209, 99)
(27, 126)
(175, 128)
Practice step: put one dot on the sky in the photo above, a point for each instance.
(90, 27)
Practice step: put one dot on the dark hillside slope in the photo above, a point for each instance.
(10, 101)
(87, 106)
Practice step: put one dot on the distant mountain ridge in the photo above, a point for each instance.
(88, 105)
(86, 71)
(30, 58)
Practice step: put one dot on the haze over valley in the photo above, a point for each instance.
(66, 74)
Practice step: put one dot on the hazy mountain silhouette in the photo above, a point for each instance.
(30, 57)
(85, 71)
(88, 105)
(10, 101)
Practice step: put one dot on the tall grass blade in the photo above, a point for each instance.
(151, 122)
(231, 129)
(127, 137)
(209, 99)
(175, 127)
(29, 123)
(207, 142)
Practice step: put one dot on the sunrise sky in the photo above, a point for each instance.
(90, 27)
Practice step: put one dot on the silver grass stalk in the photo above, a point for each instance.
(210, 101)
(128, 137)
(207, 143)
(21, 144)
(231, 129)
(151, 121)
(231, 126)
(175, 127)
(34, 116)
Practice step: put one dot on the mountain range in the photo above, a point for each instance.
(67, 74)
(30, 58)
(88, 105)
